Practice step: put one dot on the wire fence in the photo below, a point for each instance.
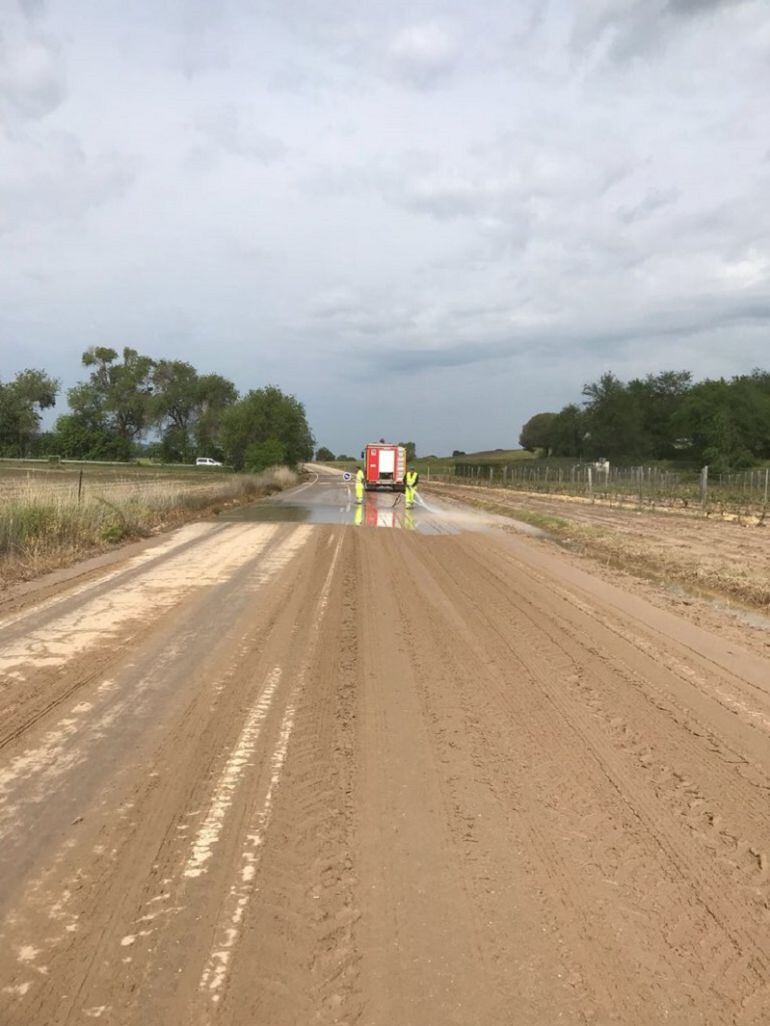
(739, 492)
(77, 483)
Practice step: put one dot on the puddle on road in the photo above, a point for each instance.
(378, 510)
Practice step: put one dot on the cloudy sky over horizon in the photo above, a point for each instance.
(427, 220)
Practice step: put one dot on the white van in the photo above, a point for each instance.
(206, 461)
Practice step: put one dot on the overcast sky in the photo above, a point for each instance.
(428, 220)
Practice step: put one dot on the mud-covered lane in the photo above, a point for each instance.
(289, 772)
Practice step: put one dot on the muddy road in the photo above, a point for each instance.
(312, 765)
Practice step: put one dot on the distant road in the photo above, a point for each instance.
(323, 765)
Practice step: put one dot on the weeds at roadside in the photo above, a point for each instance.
(42, 528)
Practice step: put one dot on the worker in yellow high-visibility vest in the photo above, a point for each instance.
(359, 486)
(410, 487)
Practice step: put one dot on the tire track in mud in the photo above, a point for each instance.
(32, 688)
(552, 673)
(134, 815)
(296, 961)
(424, 956)
(404, 780)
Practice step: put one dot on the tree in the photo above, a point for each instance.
(261, 455)
(215, 396)
(567, 432)
(124, 389)
(262, 415)
(112, 409)
(659, 397)
(324, 455)
(614, 424)
(411, 451)
(727, 422)
(187, 409)
(535, 434)
(21, 404)
(81, 436)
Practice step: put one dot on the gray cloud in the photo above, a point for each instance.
(654, 200)
(32, 81)
(234, 130)
(52, 181)
(456, 201)
(699, 6)
(423, 54)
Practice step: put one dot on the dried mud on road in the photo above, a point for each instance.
(706, 567)
(288, 773)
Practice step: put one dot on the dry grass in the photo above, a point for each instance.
(43, 524)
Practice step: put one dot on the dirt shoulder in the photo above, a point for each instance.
(42, 533)
(714, 572)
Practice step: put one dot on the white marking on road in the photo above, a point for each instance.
(302, 487)
(100, 619)
(230, 779)
(17, 989)
(33, 775)
(180, 537)
(214, 975)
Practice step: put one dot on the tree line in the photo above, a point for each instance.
(132, 405)
(666, 416)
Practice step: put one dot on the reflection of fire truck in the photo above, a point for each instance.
(384, 466)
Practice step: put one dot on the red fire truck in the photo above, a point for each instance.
(384, 466)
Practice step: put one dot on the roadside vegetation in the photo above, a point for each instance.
(131, 406)
(49, 518)
(665, 416)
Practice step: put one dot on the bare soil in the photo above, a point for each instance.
(293, 773)
(715, 571)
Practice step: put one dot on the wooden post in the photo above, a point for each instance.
(704, 486)
(590, 482)
(80, 484)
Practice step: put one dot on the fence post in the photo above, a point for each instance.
(590, 482)
(704, 486)
(80, 484)
(767, 477)
(491, 474)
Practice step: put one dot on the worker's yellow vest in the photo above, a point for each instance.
(411, 479)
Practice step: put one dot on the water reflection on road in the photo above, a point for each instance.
(331, 501)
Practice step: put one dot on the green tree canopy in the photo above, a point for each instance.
(112, 410)
(535, 434)
(21, 403)
(187, 409)
(261, 455)
(266, 414)
(324, 455)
